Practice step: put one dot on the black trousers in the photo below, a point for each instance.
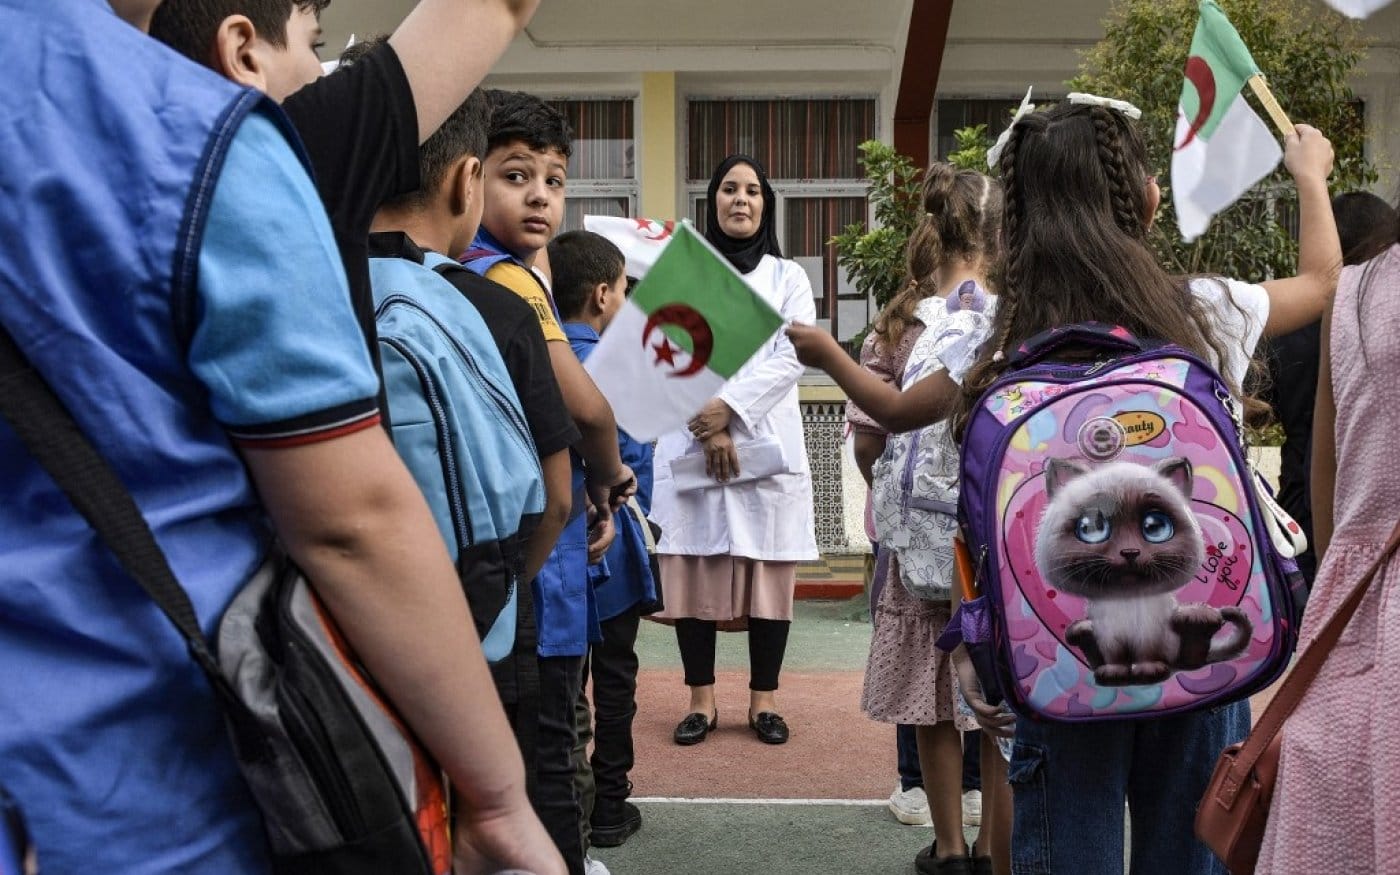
(613, 669)
(767, 644)
(555, 799)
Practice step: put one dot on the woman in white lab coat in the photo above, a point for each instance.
(729, 552)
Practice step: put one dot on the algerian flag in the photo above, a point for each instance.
(689, 326)
(1357, 8)
(641, 240)
(1222, 147)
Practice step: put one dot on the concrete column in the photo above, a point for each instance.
(660, 191)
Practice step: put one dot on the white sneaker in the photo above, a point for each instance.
(972, 808)
(910, 807)
(594, 867)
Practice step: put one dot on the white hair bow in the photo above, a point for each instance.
(1122, 106)
(994, 153)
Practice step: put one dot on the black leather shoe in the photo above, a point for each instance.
(929, 863)
(769, 727)
(694, 728)
(613, 822)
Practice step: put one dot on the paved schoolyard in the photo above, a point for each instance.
(813, 806)
(733, 806)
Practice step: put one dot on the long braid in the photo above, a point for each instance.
(1120, 188)
(1014, 271)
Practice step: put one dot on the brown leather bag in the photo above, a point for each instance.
(1235, 809)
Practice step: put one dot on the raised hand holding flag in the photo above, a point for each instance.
(1222, 147)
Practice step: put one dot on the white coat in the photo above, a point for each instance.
(770, 518)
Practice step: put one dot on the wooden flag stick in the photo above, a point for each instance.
(1266, 97)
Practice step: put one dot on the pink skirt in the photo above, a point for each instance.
(726, 589)
(907, 678)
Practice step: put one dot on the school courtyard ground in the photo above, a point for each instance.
(815, 805)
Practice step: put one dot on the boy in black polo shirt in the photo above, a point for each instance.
(443, 216)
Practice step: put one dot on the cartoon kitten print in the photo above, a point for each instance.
(1122, 537)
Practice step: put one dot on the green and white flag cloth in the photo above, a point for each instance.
(1222, 147)
(689, 326)
(641, 240)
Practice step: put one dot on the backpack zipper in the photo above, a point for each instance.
(461, 517)
(518, 429)
(314, 745)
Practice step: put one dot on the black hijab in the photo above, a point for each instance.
(744, 253)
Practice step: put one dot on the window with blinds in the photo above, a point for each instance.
(603, 168)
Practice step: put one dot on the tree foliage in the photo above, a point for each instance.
(1305, 52)
(874, 258)
(972, 145)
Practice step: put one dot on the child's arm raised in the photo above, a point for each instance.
(447, 47)
(1300, 300)
(924, 403)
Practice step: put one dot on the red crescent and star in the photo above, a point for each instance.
(1199, 74)
(648, 229)
(689, 320)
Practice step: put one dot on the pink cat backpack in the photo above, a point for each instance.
(1129, 561)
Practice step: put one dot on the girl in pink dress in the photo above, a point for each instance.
(1336, 805)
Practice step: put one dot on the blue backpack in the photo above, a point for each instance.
(458, 425)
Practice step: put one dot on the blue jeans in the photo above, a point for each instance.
(1070, 783)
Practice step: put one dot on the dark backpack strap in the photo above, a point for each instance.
(525, 664)
(1091, 335)
(446, 269)
(50, 433)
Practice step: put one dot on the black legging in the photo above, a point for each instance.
(767, 644)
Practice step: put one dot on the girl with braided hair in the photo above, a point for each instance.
(1079, 200)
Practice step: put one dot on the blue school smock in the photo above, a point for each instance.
(623, 579)
(164, 245)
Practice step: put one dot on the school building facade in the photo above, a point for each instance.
(660, 90)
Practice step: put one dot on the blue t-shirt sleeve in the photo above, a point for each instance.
(275, 340)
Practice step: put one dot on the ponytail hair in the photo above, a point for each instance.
(961, 221)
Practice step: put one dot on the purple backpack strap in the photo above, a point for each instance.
(1094, 335)
(479, 260)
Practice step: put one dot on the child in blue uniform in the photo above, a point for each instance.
(590, 285)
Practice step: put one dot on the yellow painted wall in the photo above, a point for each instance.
(660, 182)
